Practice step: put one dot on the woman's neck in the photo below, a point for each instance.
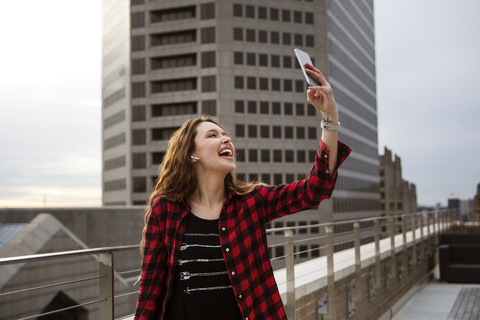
(210, 192)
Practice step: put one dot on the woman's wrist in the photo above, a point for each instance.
(330, 119)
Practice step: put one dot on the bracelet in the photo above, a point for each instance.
(326, 126)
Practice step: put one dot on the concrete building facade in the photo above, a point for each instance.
(167, 61)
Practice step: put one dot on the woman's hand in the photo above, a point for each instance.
(321, 97)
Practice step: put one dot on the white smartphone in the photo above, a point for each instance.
(304, 58)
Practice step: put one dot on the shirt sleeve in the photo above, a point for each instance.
(284, 199)
(154, 269)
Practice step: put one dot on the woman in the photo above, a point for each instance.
(205, 253)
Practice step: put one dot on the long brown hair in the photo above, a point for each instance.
(176, 174)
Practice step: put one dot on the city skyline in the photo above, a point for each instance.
(61, 159)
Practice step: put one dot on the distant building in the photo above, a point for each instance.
(397, 195)
(464, 207)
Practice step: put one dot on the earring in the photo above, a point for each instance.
(193, 157)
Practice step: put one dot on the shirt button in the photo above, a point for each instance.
(325, 156)
(233, 273)
(328, 171)
(240, 296)
(223, 229)
(246, 318)
(228, 249)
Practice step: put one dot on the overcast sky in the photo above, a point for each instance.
(428, 87)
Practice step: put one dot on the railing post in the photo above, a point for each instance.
(414, 241)
(444, 219)
(422, 240)
(332, 313)
(358, 264)
(106, 283)
(378, 272)
(435, 234)
(290, 268)
(404, 247)
(393, 264)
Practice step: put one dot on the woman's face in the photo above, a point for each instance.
(214, 148)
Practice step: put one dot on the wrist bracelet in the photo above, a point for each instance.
(326, 126)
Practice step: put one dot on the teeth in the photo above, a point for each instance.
(226, 151)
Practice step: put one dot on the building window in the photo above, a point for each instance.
(289, 156)
(252, 177)
(240, 130)
(238, 34)
(252, 131)
(263, 83)
(298, 40)
(139, 184)
(114, 185)
(138, 89)
(139, 160)
(163, 133)
(286, 15)
(138, 113)
(207, 11)
(173, 109)
(266, 178)
(277, 178)
(302, 248)
(251, 59)
(157, 157)
(301, 157)
(274, 37)
(241, 177)
(297, 16)
(208, 35)
(300, 109)
(275, 84)
(262, 13)
(209, 84)
(311, 155)
(287, 38)
(288, 108)
(265, 153)
(250, 11)
(239, 106)
(300, 133)
(239, 82)
(311, 110)
(276, 108)
(138, 43)
(237, 10)
(138, 66)
(287, 62)
(208, 59)
(252, 107)
(139, 137)
(174, 85)
(172, 14)
(299, 86)
(262, 36)
(277, 132)
(209, 107)
(315, 250)
(288, 132)
(251, 83)
(289, 178)
(170, 38)
(114, 119)
(240, 155)
(252, 155)
(178, 61)
(277, 156)
(114, 141)
(274, 14)
(114, 163)
(238, 57)
(312, 133)
(263, 60)
(265, 131)
(264, 105)
(308, 17)
(250, 35)
(275, 60)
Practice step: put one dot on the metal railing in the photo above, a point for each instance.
(435, 223)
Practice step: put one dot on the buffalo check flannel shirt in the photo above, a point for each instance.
(242, 237)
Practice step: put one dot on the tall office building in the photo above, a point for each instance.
(168, 61)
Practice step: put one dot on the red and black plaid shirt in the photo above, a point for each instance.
(242, 236)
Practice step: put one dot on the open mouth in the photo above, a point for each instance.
(226, 153)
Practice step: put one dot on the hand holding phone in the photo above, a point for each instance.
(304, 58)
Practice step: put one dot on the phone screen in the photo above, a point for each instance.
(304, 58)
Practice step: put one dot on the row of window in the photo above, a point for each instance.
(207, 11)
(250, 35)
(275, 132)
(266, 84)
(174, 109)
(274, 14)
(266, 155)
(275, 108)
(264, 60)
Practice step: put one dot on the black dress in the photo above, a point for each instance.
(201, 287)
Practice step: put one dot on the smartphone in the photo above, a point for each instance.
(304, 58)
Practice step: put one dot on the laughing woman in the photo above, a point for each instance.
(204, 247)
